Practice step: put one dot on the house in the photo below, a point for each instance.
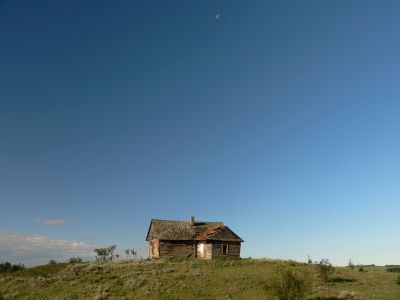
(204, 240)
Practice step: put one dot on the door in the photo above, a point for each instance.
(201, 250)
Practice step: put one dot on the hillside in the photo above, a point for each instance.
(190, 279)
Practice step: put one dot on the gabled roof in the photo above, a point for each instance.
(184, 230)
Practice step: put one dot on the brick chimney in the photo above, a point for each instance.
(192, 221)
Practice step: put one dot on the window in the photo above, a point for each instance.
(224, 248)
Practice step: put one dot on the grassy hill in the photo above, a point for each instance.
(192, 279)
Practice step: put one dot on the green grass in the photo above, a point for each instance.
(189, 279)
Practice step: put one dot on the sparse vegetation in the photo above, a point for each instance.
(398, 279)
(309, 259)
(324, 269)
(195, 279)
(130, 253)
(393, 269)
(346, 295)
(8, 267)
(75, 260)
(350, 264)
(290, 285)
(105, 253)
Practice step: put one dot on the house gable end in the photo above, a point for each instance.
(225, 233)
(149, 231)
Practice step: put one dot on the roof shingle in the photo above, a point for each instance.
(184, 230)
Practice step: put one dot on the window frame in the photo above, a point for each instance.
(226, 247)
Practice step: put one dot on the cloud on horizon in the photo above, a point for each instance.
(51, 222)
(35, 249)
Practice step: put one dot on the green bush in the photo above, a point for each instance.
(7, 267)
(324, 268)
(75, 260)
(393, 269)
(290, 285)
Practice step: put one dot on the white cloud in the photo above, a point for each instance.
(51, 221)
(35, 249)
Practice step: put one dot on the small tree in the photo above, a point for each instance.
(350, 264)
(101, 253)
(130, 253)
(105, 253)
(324, 269)
(110, 251)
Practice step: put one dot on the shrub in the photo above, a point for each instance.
(346, 295)
(350, 264)
(134, 283)
(292, 263)
(105, 253)
(324, 269)
(393, 269)
(130, 252)
(342, 279)
(398, 280)
(290, 285)
(75, 260)
(102, 293)
(361, 269)
(52, 262)
(7, 267)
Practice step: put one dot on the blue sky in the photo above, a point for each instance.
(279, 118)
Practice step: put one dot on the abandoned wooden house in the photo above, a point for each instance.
(205, 240)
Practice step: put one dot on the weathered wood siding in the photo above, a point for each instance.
(216, 249)
(211, 249)
(154, 248)
(225, 234)
(208, 251)
(176, 249)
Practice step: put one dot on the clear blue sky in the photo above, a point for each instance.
(279, 118)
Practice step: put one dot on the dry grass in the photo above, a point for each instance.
(190, 279)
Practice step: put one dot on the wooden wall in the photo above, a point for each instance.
(176, 248)
(153, 248)
(208, 251)
(216, 249)
(213, 249)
